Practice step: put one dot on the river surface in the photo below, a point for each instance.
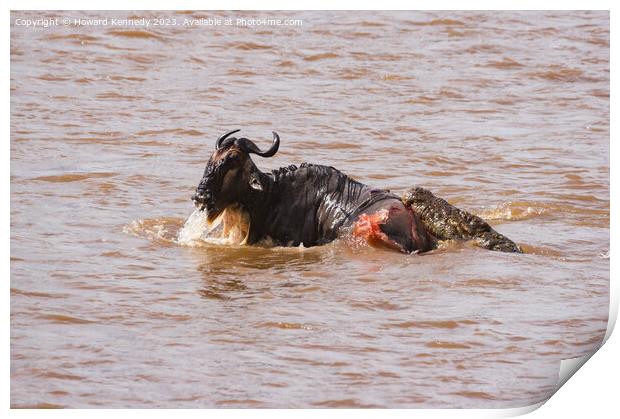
(504, 114)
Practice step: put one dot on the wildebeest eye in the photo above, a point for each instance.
(233, 156)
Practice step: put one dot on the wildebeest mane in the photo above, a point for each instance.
(316, 211)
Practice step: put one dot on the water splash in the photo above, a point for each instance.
(162, 229)
(514, 211)
(196, 231)
(192, 232)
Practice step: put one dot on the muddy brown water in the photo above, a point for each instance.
(505, 114)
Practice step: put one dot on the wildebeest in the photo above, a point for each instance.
(312, 205)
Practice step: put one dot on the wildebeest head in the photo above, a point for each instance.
(230, 174)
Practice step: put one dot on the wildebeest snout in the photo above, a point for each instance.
(200, 197)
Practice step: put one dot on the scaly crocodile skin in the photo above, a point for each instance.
(446, 222)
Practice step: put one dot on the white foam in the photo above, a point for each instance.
(195, 227)
(230, 228)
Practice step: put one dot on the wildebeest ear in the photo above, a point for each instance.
(255, 182)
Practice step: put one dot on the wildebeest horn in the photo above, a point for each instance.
(250, 147)
(220, 140)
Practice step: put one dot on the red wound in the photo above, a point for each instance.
(367, 228)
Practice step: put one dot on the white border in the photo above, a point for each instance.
(592, 391)
(311, 5)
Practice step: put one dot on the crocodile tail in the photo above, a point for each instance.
(447, 222)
